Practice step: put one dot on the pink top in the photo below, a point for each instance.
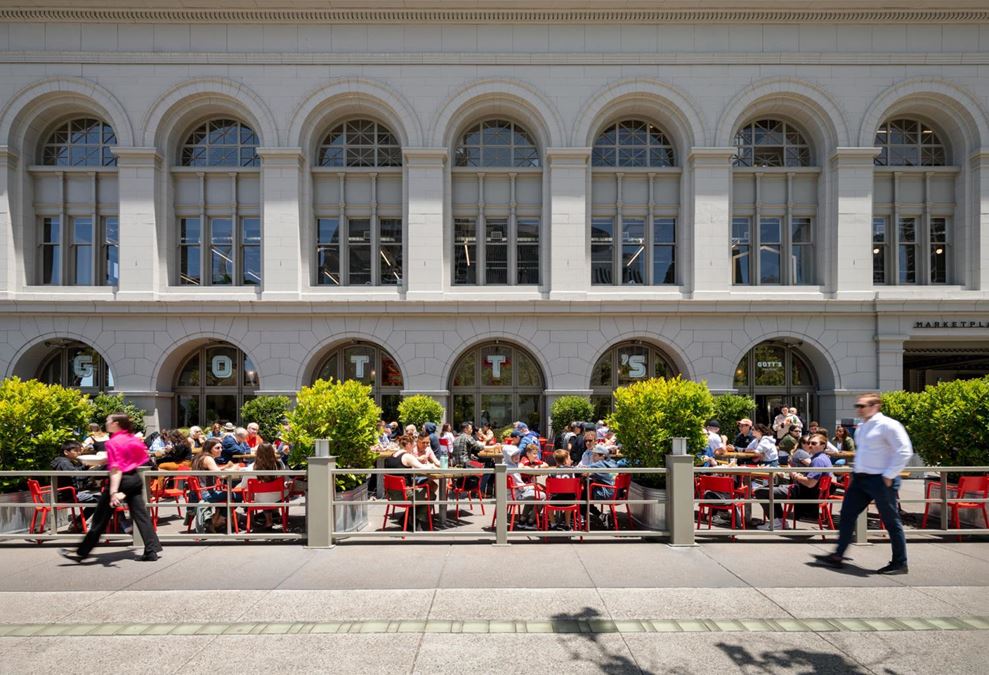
(125, 452)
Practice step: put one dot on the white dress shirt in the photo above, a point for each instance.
(882, 446)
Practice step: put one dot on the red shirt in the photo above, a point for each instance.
(125, 452)
(254, 441)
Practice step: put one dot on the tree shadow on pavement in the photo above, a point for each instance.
(608, 661)
(790, 660)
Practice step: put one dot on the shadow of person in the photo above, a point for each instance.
(590, 624)
(791, 660)
(849, 569)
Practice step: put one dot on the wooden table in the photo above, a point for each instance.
(737, 455)
(843, 455)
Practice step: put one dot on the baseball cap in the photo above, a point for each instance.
(602, 450)
(713, 424)
(746, 421)
(602, 433)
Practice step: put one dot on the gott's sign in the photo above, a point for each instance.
(951, 324)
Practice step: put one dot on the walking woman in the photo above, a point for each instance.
(125, 452)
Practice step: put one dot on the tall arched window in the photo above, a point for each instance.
(212, 385)
(218, 207)
(622, 365)
(914, 205)
(636, 205)
(74, 364)
(497, 206)
(774, 205)
(370, 365)
(75, 201)
(357, 180)
(497, 383)
(777, 374)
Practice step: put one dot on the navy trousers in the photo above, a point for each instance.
(866, 488)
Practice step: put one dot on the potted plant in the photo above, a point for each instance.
(419, 409)
(344, 413)
(104, 405)
(35, 419)
(268, 412)
(648, 415)
(568, 409)
(729, 408)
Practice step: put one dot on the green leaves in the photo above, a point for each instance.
(418, 410)
(343, 413)
(567, 409)
(729, 408)
(35, 419)
(105, 405)
(269, 414)
(650, 414)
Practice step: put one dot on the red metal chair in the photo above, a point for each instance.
(619, 495)
(513, 495)
(461, 486)
(169, 487)
(41, 497)
(397, 484)
(257, 487)
(973, 486)
(724, 485)
(554, 489)
(824, 508)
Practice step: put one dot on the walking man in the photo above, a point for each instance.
(883, 450)
(125, 452)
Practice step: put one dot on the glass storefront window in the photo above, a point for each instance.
(497, 383)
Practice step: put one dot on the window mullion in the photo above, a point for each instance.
(375, 233)
(650, 232)
(786, 248)
(925, 234)
(237, 235)
(618, 237)
(513, 241)
(482, 240)
(205, 270)
(754, 233)
(344, 231)
(65, 241)
(894, 235)
(96, 247)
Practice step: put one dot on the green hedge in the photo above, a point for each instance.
(419, 409)
(269, 412)
(568, 409)
(729, 408)
(104, 405)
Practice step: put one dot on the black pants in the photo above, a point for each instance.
(865, 488)
(130, 485)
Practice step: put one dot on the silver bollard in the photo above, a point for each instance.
(680, 498)
(501, 505)
(320, 516)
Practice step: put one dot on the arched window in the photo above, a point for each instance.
(636, 205)
(914, 205)
(497, 206)
(777, 374)
(497, 383)
(622, 365)
(217, 193)
(212, 385)
(74, 364)
(370, 365)
(80, 142)
(774, 206)
(360, 143)
(76, 206)
(909, 142)
(771, 143)
(357, 181)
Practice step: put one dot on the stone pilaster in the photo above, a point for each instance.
(850, 241)
(710, 239)
(976, 240)
(889, 352)
(137, 178)
(8, 231)
(569, 262)
(425, 181)
(281, 197)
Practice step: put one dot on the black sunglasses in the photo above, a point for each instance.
(864, 405)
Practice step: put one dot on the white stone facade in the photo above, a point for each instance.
(564, 76)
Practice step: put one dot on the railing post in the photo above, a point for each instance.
(52, 497)
(944, 500)
(137, 541)
(319, 498)
(862, 528)
(680, 498)
(501, 505)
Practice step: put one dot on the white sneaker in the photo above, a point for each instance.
(777, 525)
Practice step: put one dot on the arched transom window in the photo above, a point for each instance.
(218, 205)
(370, 365)
(633, 144)
(360, 143)
(774, 206)
(913, 205)
(636, 206)
(497, 206)
(357, 180)
(76, 204)
(74, 364)
(497, 383)
(213, 383)
(622, 365)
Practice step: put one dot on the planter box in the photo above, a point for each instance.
(350, 517)
(970, 517)
(15, 520)
(648, 516)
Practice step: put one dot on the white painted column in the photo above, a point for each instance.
(425, 243)
(977, 242)
(137, 180)
(569, 260)
(281, 200)
(8, 238)
(850, 240)
(710, 237)
(889, 352)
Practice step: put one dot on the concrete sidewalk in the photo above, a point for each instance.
(608, 607)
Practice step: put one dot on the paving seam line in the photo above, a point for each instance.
(555, 626)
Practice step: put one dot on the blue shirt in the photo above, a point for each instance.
(230, 448)
(821, 461)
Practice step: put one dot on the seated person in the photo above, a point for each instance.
(744, 436)
(486, 434)
(265, 459)
(714, 446)
(804, 484)
(253, 439)
(601, 459)
(95, 442)
(764, 445)
(234, 443)
(531, 459)
(788, 443)
(562, 460)
(581, 445)
(465, 446)
(424, 451)
(406, 457)
(87, 491)
(177, 453)
(520, 490)
(207, 461)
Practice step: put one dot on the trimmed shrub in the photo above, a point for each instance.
(269, 414)
(650, 414)
(567, 409)
(729, 408)
(35, 419)
(343, 413)
(105, 405)
(950, 423)
(418, 410)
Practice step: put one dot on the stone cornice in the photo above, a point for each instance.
(493, 16)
